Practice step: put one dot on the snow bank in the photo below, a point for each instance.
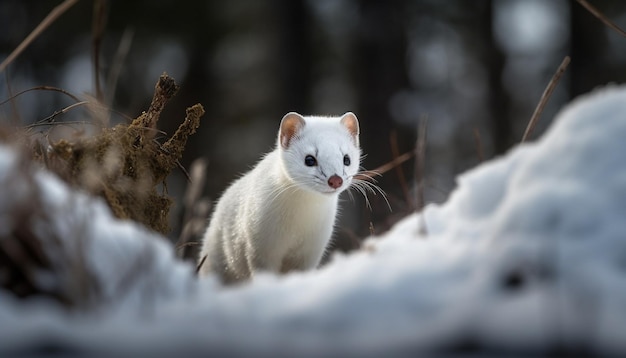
(528, 255)
(94, 262)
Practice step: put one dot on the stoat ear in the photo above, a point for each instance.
(349, 121)
(291, 124)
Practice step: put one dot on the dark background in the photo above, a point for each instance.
(470, 67)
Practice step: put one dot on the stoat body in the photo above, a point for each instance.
(280, 216)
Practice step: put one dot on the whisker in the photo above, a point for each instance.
(367, 176)
(374, 189)
(358, 187)
(277, 192)
(372, 172)
(366, 186)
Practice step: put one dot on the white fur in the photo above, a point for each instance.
(280, 216)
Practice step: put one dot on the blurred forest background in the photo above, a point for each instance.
(475, 69)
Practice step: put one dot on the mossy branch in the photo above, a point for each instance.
(164, 90)
(172, 150)
(124, 165)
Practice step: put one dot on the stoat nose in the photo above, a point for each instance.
(335, 181)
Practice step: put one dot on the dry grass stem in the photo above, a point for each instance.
(43, 25)
(479, 145)
(597, 13)
(393, 139)
(15, 118)
(98, 24)
(194, 212)
(544, 98)
(70, 124)
(116, 67)
(420, 148)
(59, 112)
(40, 88)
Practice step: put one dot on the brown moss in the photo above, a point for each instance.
(125, 165)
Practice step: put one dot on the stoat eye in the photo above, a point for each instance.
(310, 161)
(346, 160)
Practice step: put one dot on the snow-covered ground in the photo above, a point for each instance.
(528, 255)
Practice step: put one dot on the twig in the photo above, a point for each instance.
(43, 124)
(201, 263)
(191, 197)
(55, 89)
(194, 189)
(393, 139)
(388, 166)
(597, 13)
(544, 98)
(180, 166)
(165, 151)
(116, 68)
(419, 174)
(48, 121)
(41, 88)
(420, 148)
(57, 113)
(15, 118)
(43, 25)
(479, 145)
(99, 22)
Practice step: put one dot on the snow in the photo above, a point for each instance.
(528, 255)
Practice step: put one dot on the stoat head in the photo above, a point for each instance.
(320, 153)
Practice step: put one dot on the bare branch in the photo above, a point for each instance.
(605, 20)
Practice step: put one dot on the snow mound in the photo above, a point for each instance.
(66, 251)
(528, 255)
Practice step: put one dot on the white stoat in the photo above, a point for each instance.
(280, 216)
